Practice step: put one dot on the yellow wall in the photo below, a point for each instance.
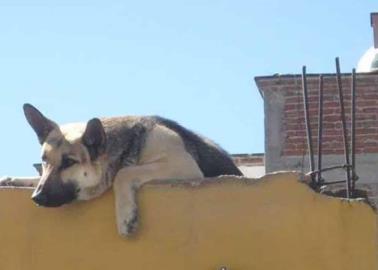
(274, 223)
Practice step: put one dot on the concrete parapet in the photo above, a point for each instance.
(275, 222)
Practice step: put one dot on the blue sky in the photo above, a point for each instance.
(192, 61)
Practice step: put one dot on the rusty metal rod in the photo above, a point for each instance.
(320, 129)
(344, 166)
(307, 121)
(333, 182)
(342, 111)
(353, 132)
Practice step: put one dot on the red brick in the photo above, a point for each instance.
(293, 124)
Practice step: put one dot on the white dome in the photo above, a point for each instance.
(369, 61)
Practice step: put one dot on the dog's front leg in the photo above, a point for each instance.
(126, 183)
(125, 204)
(19, 181)
(129, 179)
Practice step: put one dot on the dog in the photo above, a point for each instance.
(80, 161)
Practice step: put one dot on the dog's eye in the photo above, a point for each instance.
(44, 160)
(67, 162)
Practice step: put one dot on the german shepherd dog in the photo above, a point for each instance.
(82, 160)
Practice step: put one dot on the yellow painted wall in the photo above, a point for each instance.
(274, 223)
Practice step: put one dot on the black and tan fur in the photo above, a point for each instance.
(82, 160)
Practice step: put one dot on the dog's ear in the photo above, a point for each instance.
(41, 125)
(94, 138)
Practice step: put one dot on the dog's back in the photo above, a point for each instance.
(127, 136)
(211, 158)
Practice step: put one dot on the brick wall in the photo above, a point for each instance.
(251, 165)
(288, 89)
(248, 159)
(285, 132)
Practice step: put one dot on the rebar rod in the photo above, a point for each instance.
(333, 182)
(320, 129)
(344, 166)
(307, 122)
(353, 130)
(342, 111)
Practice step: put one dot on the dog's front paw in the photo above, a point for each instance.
(128, 226)
(5, 181)
(132, 224)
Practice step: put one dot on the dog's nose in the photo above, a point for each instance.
(39, 198)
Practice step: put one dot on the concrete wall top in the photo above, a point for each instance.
(275, 222)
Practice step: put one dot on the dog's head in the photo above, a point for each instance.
(71, 155)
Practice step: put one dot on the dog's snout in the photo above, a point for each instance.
(54, 194)
(39, 198)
